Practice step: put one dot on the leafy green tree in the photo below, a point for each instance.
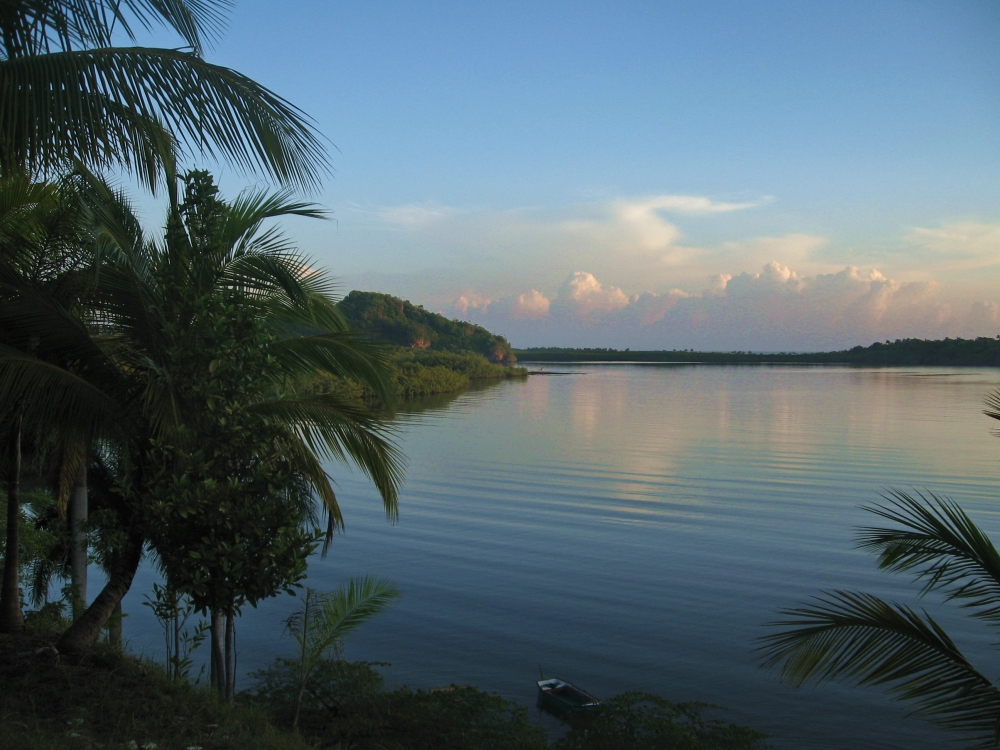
(229, 496)
(859, 637)
(111, 367)
(231, 517)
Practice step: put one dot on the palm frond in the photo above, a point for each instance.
(992, 402)
(109, 106)
(53, 395)
(861, 638)
(338, 428)
(941, 546)
(306, 463)
(344, 354)
(34, 27)
(329, 618)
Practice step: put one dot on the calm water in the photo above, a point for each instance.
(634, 527)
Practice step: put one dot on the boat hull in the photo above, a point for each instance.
(564, 699)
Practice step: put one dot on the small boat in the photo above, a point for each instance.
(564, 698)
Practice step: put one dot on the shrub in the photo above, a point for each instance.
(347, 703)
(641, 721)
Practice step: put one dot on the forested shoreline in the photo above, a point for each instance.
(978, 352)
(429, 353)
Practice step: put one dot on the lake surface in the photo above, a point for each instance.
(634, 527)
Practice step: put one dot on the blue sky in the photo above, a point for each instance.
(573, 173)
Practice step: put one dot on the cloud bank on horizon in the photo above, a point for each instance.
(621, 273)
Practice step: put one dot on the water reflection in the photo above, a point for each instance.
(633, 528)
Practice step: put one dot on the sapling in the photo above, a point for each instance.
(325, 619)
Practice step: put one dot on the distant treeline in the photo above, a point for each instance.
(980, 352)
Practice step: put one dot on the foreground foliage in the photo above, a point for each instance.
(347, 703)
(109, 700)
(167, 341)
(858, 637)
(641, 721)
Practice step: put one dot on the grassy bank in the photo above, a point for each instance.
(423, 372)
(418, 372)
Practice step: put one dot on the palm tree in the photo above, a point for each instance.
(117, 381)
(326, 619)
(855, 636)
(40, 241)
(68, 94)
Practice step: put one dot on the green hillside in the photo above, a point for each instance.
(412, 327)
(432, 353)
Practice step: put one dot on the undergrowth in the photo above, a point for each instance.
(112, 701)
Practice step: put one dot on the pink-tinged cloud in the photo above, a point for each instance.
(775, 309)
(584, 296)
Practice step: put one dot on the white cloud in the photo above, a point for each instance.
(637, 225)
(984, 319)
(694, 204)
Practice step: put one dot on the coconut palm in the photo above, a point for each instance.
(861, 638)
(67, 93)
(117, 378)
(40, 244)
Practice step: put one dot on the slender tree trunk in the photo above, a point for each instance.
(84, 631)
(11, 618)
(176, 601)
(230, 657)
(78, 540)
(218, 669)
(302, 663)
(115, 627)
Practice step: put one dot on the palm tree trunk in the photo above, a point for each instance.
(84, 631)
(11, 617)
(217, 676)
(78, 540)
(230, 657)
